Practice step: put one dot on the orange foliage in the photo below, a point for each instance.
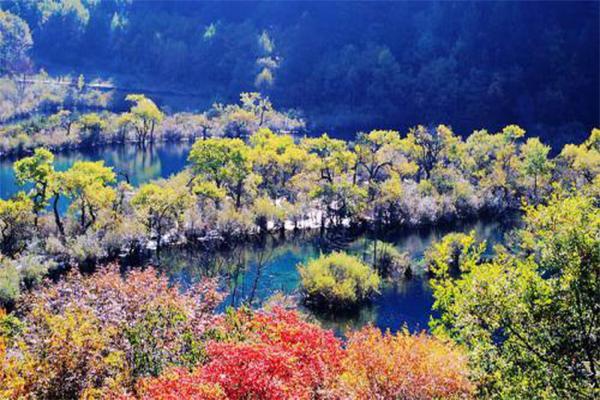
(179, 384)
(273, 356)
(88, 335)
(402, 366)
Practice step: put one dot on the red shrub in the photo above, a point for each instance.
(278, 356)
(274, 356)
(179, 384)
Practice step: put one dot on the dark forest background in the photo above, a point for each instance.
(347, 66)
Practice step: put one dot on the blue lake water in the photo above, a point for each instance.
(140, 164)
(255, 272)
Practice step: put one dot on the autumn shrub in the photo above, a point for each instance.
(73, 357)
(12, 382)
(277, 355)
(24, 271)
(402, 366)
(262, 355)
(338, 280)
(87, 334)
(9, 283)
(177, 384)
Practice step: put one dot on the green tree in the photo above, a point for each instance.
(15, 223)
(258, 105)
(448, 254)
(86, 185)
(387, 206)
(160, 208)
(63, 119)
(582, 162)
(494, 162)
(37, 170)
(530, 319)
(203, 123)
(536, 164)
(376, 153)
(92, 126)
(224, 162)
(376, 150)
(331, 157)
(427, 147)
(341, 201)
(143, 116)
(334, 164)
(278, 160)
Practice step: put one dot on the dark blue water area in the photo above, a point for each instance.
(138, 164)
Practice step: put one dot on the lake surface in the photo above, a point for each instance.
(140, 165)
(253, 273)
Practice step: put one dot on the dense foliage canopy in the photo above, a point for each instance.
(267, 181)
(529, 319)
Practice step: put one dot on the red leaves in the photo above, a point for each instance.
(277, 355)
(97, 334)
(179, 384)
(255, 371)
(284, 357)
(280, 357)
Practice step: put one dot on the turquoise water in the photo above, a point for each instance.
(254, 272)
(140, 165)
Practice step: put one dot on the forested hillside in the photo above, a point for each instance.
(347, 65)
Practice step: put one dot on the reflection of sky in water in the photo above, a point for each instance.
(405, 303)
(139, 164)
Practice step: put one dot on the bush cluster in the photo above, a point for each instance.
(236, 187)
(338, 280)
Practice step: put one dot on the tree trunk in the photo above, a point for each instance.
(238, 196)
(152, 132)
(59, 224)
